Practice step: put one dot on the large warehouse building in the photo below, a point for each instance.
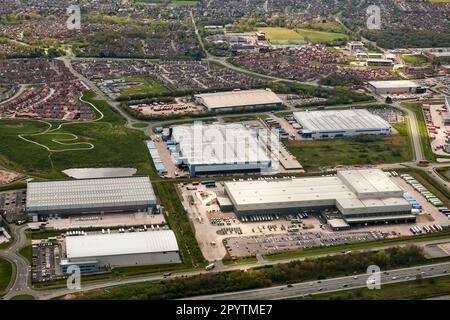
(219, 149)
(68, 197)
(240, 100)
(331, 124)
(361, 196)
(93, 252)
(395, 87)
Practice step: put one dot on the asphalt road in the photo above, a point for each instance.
(335, 284)
(52, 293)
(22, 282)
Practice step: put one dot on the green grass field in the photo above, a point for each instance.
(300, 35)
(23, 297)
(315, 36)
(6, 271)
(148, 86)
(423, 131)
(416, 59)
(410, 290)
(183, 3)
(314, 154)
(140, 125)
(113, 144)
(26, 252)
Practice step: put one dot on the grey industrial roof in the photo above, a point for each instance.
(238, 98)
(348, 191)
(219, 144)
(288, 190)
(89, 193)
(394, 84)
(120, 244)
(340, 120)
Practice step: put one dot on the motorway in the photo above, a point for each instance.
(331, 285)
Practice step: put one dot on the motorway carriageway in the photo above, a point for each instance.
(331, 285)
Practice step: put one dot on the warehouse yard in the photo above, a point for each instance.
(222, 235)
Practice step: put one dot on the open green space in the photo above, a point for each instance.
(410, 290)
(26, 252)
(103, 143)
(423, 131)
(6, 272)
(444, 173)
(178, 220)
(148, 86)
(183, 3)
(315, 36)
(140, 125)
(416, 59)
(23, 297)
(314, 154)
(42, 234)
(300, 35)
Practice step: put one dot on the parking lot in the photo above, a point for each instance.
(268, 244)
(45, 261)
(103, 221)
(13, 203)
(439, 137)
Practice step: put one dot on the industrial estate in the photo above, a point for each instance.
(178, 141)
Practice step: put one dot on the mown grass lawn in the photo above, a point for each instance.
(313, 36)
(148, 86)
(416, 59)
(6, 271)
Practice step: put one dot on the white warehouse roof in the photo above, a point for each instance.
(100, 245)
(349, 189)
(340, 120)
(89, 193)
(219, 144)
(239, 98)
(394, 84)
(369, 183)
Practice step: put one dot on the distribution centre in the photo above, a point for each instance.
(361, 196)
(93, 252)
(239, 100)
(68, 197)
(395, 87)
(340, 123)
(219, 149)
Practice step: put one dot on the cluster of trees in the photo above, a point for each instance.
(296, 271)
(335, 96)
(392, 39)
